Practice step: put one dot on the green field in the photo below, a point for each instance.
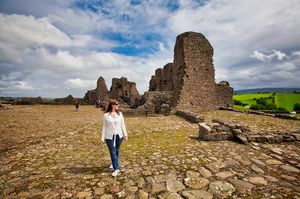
(285, 100)
(249, 98)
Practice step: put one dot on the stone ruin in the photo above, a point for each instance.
(99, 93)
(66, 100)
(223, 130)
(189, 82)
(124, 90)
(121, 89)
(186, 84)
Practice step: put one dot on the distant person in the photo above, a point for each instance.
(113, 131)
(98, 103)
(77, 106)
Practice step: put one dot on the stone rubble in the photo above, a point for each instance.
(221, 130)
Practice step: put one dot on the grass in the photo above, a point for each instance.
(285, 100)
(249, 98)
(241, 108)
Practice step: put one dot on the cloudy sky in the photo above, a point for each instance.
(52, 48)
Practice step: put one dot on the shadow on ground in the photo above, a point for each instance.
(87, 170)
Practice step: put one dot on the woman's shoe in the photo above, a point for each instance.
(111, 166)
(115, 173)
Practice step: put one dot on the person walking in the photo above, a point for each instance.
(97, 104)
(113, 131)
(77, 106)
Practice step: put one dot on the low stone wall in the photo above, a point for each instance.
(190, 116)
(279, 115)
(220, 130)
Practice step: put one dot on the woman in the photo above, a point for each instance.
(113, 131)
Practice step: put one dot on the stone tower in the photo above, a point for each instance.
(193, 73)
(162, 80)
(101, 92)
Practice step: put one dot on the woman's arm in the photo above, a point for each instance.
(103, 128)
(123, 126)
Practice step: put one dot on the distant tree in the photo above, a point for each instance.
(238, 102)
(261, 101)
(270, 106)
(257, 107)
(297, 107)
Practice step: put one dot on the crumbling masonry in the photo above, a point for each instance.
(121, 89)
(186, 84)
(191, 76)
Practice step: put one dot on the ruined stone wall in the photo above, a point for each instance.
(154, 101)
(224, 94)
(101, 92)
(224, 130)
(125, 90)
(121, 89)
(193, 73)
(134, 95)
(191, 76)
(162, 80)
(156, 80)
(167, 77)
(89, 97)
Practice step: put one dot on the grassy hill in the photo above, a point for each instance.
(287, 100)
(284, 100)
(268, 90)
(250, 98)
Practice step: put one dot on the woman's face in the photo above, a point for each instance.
(115, 106)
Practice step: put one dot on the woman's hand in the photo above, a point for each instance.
(126, 137)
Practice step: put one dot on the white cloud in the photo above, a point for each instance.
(78, 83)
(16, 86)
(22, 85)
(279, 55)
(237, 28)
(25, 31)
(61, 60)
(268, 57)
(297, 53)
(280, 73)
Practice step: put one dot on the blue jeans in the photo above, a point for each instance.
(114, 151)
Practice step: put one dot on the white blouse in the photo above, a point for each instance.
(113, 126)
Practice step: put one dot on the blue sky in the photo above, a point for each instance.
(53, 48)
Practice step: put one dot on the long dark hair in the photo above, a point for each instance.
(110, 104)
